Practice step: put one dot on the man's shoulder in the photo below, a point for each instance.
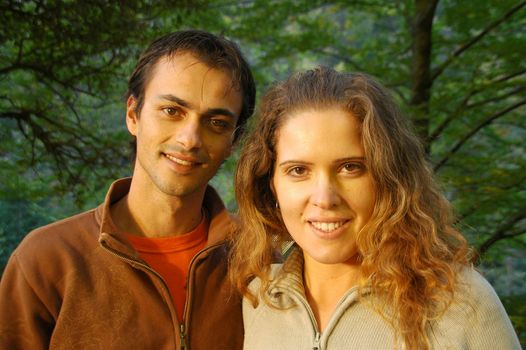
(79, 229)
(84, 220)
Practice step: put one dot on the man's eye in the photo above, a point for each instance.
(171, 111)
(220, 125)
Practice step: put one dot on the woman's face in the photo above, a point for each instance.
(325, 192)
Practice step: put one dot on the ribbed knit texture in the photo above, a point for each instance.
(476, 320)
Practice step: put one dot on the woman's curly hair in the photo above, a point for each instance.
(411, 253)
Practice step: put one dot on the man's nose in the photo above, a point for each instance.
(188, 133)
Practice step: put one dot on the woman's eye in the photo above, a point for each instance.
(352, 167)
(297, 171)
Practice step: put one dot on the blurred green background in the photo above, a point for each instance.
(458, 68)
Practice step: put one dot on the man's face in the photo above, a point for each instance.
(185, 128)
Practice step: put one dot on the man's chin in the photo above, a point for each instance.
(182, 189)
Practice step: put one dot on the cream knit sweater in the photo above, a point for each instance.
(476, 320)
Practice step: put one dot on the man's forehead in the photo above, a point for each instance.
(180, 62)
(189, 79)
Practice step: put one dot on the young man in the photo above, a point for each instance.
(147, 268)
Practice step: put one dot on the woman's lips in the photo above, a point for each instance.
(328, 229)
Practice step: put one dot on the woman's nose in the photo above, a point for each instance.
(325, 194)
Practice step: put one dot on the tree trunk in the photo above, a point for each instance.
(421, 74)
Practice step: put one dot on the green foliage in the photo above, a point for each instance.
(63, 69)
(63, 72)
(23, 207)
(516, 308)
(476, 122)
(223, 183)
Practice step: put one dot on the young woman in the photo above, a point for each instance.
(377, 264)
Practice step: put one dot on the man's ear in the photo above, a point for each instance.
(234, 142)
(132, 118)
(229, 151)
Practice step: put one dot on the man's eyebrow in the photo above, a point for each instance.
(209, 112)
(175, 99)
(220, 111)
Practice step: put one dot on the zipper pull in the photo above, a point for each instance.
(183, 340)
(316, 341)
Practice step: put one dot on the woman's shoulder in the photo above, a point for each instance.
(475, 296)
(474, 287)
(258, 305)
(478, 314)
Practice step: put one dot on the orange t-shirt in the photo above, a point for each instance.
(170, 257)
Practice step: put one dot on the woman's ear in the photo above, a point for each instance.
(273, 190)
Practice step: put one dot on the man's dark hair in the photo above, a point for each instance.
(215, 51)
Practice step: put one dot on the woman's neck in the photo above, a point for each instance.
(325, 285)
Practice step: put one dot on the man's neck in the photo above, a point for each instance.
(151, 213)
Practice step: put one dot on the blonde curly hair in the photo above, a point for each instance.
(411, 253)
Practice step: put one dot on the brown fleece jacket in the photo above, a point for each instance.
(78, 283)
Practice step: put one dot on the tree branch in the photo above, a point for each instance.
(500, 233)
(485, 123)
(45, 74)
(339, 57)
(465, 101)
(452, 116)
(476, 39)
(515, 91)
(508, 77)
(81, 147)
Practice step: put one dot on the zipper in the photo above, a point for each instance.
(317, 337)
(132, 261)
(148, 268)
(183, 339)
(189, 283)
(316, 341)
(189, 277)
(182, 324)
(317, 334)
(137, 262)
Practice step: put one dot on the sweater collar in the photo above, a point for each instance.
(221, 222)
(290, 275)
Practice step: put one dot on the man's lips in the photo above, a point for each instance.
(183, 160)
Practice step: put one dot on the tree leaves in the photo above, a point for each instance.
(63, 68)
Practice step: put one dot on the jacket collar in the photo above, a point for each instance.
(221, 222)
